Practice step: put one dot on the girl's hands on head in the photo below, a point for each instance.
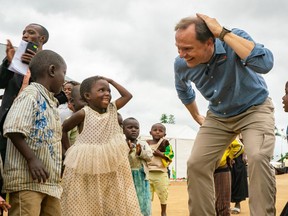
(107, 79)
(125, 94)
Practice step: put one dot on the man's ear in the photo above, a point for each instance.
(42, 39)
(150, 133)
(52, 70)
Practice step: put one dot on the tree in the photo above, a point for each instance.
(169, 119)
(164, 118)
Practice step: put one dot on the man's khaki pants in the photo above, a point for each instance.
(257, 128)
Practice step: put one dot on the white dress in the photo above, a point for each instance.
(97, 179)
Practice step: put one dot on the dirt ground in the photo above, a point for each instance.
(178, 198)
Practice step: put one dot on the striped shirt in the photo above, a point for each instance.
(34, 114)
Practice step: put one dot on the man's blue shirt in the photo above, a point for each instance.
(231, 85)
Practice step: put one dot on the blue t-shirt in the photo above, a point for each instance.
(230, 84)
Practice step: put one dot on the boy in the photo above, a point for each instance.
(33, 158)
(77, 103)
(140, 153)
(163, 155)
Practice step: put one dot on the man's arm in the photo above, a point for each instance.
(241, 46)
(5, 74)
(36, 167)
(193, 109)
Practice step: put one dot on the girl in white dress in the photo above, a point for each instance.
(97, 178)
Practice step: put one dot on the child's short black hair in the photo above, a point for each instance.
(42, 61)
(75, 89)
(128, 119)
(87, 84)
(159, 124)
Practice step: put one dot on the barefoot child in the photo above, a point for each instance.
(97, 172)
(162, 157)
(140, 153)
(32, 166)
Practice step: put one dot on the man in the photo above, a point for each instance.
(11, 81)
(226, 67)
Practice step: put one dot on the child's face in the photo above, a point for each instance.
(59, 78)
(67, 88)
(157, 131)
(285, 98)
(100, 95)
(131, 129)
(77, 101)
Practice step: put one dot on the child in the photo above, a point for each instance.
(222, 178)
(120, 119)
(163, 155)
(76, 103)
(285, 98)
(140, 153)
(97, 172)
(33, 159)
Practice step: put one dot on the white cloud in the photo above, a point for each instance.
(133, 43)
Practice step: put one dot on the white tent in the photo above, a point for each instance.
(181, 137)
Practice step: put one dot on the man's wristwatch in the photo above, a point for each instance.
(223, 33)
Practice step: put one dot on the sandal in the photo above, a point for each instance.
(235, 210)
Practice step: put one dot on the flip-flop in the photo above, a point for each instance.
(235, 210)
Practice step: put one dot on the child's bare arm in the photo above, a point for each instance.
(146, 152)
(36, 167)
(75, 120)
(125, 94)
(159, 154)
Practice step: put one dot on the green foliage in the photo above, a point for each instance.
(168, 119)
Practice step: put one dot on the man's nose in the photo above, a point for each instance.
(181, 53)
(25, 36)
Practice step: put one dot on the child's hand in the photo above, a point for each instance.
(4, 205)
(158, 153)
(107, 79)
(138, 149)
(37, 170)
(130, 145)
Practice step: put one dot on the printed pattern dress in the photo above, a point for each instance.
(140, 174)
(97, 179)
